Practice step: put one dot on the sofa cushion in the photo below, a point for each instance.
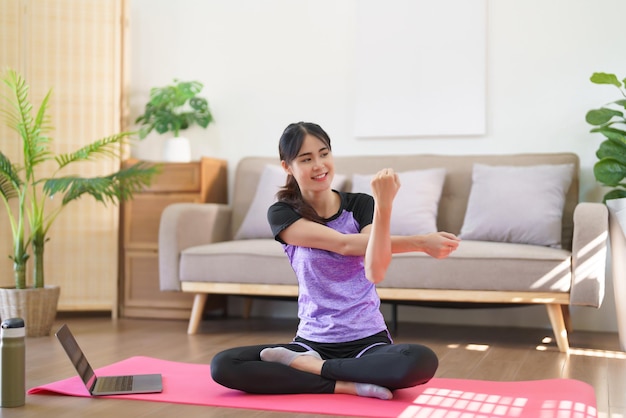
(256, 261)
(416, 203)
(480, 265)
(273, 177)
(517, 204)
(475, 265)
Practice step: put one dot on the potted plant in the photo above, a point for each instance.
(22, 182)
(610, 170)
(609, 120)
(174, 108)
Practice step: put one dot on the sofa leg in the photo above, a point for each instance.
(567, 318)
(394, 318)
(555, 313)
(247, 307)
(196, 312)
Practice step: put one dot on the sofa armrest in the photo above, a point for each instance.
(589, 250)
(185, 225)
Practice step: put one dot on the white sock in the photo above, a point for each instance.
(373, 391)
(285, 356)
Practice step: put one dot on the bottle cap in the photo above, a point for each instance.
(13, 323)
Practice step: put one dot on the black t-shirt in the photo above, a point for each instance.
(281, 215)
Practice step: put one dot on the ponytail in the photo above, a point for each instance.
(290, 193)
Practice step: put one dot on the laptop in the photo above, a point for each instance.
(105, 385)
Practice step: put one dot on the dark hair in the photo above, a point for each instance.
(288, 148)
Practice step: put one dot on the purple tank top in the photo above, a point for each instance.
(336, 302)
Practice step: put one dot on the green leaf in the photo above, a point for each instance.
(612, 149)
(609, 171)
(162, 126)
(10, 181)
(189, 89)
(144, 131)
(601, 116)
(113, 188)
(108, 147)
(198, 103)
(614, 194)
(204, 120)
(605, 78)
(614, 134)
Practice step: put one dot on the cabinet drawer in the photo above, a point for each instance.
(145, 211)
(174, 177)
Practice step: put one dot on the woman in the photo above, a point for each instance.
(339, 246)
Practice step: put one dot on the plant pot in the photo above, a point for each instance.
(177, 150)
(617, 232)
(38, 307)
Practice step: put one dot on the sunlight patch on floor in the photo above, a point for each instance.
(589, 352)
(470, 347)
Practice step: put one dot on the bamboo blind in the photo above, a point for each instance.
(75, 48)
(10, 22)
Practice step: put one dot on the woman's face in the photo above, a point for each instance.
(313, 167)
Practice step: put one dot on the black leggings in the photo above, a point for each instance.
(393, 366)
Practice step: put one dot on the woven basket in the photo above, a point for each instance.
(38, 308)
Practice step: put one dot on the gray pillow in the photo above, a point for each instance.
(520, 204)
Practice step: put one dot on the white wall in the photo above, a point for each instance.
(268, 63)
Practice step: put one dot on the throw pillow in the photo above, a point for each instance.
(417, 202)
(517, 204)
(255, 223)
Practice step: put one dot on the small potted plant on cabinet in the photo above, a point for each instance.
(21, 182)
(610, 170)
(174, 108)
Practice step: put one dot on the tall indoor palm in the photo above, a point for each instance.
(20, 181)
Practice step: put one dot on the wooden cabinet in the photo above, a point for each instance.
(139, 292)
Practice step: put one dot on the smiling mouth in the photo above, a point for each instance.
(320, 177)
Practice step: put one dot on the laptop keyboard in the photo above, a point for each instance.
(115, 384)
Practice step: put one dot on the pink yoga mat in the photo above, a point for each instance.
(188, 383)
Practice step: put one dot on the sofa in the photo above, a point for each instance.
(526, 238)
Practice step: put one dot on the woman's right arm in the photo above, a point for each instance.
(304, 233)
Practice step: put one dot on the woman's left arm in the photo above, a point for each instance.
(385, 185)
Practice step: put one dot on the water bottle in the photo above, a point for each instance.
(13, 363)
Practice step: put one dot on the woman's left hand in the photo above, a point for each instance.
(385, 185)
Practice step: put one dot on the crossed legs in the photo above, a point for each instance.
(289, 368)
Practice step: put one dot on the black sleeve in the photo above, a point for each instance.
(362, 207)
(280, 215)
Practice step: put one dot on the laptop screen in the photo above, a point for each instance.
(76, 356)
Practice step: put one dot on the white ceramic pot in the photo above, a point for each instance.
(177, 150)
(617, 232)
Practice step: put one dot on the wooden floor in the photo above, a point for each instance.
(464, 352)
